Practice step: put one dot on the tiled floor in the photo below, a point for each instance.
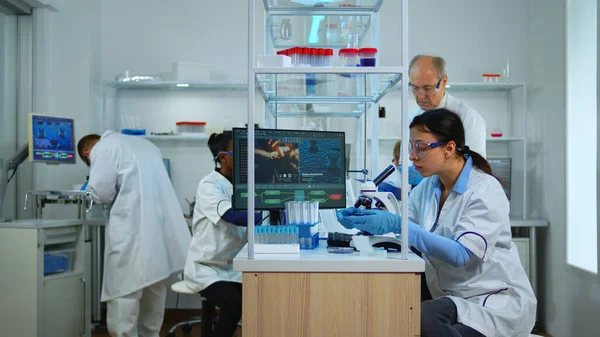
(175, 316)
(172, 317)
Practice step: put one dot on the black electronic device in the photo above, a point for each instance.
(290, 165)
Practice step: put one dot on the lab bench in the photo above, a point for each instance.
(44, 300)
(316, 293)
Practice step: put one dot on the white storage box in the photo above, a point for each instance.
(191, 72)
(272, 61)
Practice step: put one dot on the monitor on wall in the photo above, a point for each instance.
(501, 168)
(51, 139)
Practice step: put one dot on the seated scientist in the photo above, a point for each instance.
(394, 184)
(458, 220)
(219, 234)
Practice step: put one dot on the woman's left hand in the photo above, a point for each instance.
(373, 221)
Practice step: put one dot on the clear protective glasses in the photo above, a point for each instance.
(427, 90)
(422, 148)
(224, 152)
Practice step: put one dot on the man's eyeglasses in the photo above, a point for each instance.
(223, 152)
(427, 90)
(421, 148)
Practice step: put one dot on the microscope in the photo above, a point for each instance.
(369, 198)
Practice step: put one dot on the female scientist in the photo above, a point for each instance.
(219, 234)
(458, 219)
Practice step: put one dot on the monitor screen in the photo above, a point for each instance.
(501, 168)
(290, 165)
(51, 139)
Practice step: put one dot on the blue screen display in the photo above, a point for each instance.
(53, 139)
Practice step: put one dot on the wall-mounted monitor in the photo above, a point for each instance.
(501, 168)
(51, 139)
(290, 165)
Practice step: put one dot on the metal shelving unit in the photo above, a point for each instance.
(285, 92)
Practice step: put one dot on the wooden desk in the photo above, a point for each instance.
(317, 293)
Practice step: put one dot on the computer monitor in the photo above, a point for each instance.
(51, 139)
(290, 165)
(501, 168)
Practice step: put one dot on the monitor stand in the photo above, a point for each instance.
(275, 217)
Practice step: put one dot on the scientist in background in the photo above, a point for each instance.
(458, 220)
(219, 234)
(394, 183)
(146, 235)
(428, 81)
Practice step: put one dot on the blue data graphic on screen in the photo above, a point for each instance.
(291, 165)
(52, 139)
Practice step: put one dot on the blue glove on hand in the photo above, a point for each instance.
(387, 187)
(373, 221)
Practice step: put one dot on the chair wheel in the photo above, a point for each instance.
(186, 328)
(170, 334)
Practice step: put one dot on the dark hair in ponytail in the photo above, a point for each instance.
(446, 126)
(217, 142)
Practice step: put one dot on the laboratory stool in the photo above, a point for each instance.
(205, 320)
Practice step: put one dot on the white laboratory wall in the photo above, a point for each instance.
(569, 297)
(8, 103)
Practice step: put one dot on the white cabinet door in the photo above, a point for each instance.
(523, 248)
(63, 307)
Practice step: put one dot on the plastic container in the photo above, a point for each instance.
(58, 261)
(367, 57)
(348, 57)
(491, 78)
(134, 132)
(496, 132)
(191, 127)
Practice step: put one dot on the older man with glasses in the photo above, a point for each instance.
(428, 81)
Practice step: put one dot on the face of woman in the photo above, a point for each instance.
(426, 153)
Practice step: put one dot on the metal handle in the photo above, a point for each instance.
(26, 200)
(91, 204)
(84, 304)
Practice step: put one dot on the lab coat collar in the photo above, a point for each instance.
(107, 133)
(460, 186)
(222, 175)
(444, 102)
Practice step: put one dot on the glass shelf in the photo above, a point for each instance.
(182, 85)
(326, 84)
(483, 86)
(322, 5)
(318, 31)
(318, 110)
(177, 137)
(504, 139)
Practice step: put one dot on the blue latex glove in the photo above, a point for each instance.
(373, 221)
(440, 247)
(381, 222)
(84, 186)
(414, 178)
(387, 187)
(240, 218)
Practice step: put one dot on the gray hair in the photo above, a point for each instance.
(438, 64)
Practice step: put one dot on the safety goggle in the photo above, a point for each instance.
(223, 152)
(427, 90)
(421, 148)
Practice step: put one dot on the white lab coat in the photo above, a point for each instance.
(474, 124)
(492, 292)
(146, 237)
(215, 242)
